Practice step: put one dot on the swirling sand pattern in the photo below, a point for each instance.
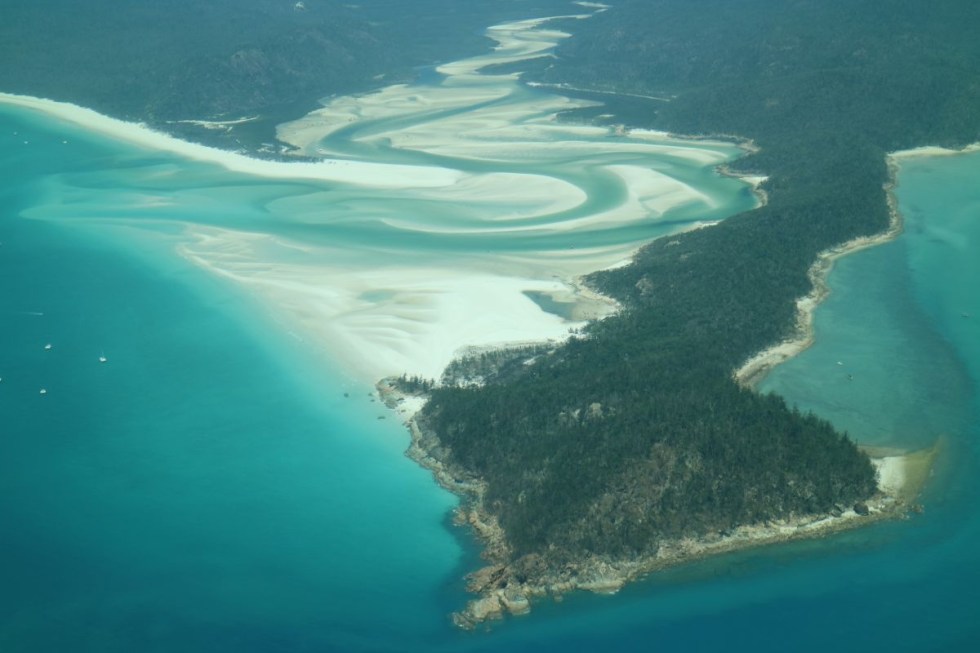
(434, 214)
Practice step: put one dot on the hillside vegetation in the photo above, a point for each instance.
(637, 432)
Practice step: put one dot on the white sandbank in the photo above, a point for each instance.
(598, 6)
(347, 172)
(932, 150)
(380, 321)
(891, 474)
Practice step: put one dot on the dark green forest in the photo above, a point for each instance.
(637, 431)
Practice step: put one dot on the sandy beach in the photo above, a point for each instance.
(347, 172)
(756, 367)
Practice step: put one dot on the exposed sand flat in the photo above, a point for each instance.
(433, 121)
(516, 41)
(647, 195)
(399, 101)
(505, 132)
(656, 192)
(393, 267)
(381, 321)
(505, 197)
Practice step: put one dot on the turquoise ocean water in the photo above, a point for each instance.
(207, 486)
(213, 487)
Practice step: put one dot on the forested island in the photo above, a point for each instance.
(632, 444)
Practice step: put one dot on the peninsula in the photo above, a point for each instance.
(643, 496)
(638, 442)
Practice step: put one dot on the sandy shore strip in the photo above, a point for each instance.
(358, 173)
(931, 150)
(755, 368)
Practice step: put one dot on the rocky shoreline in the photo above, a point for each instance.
(508, 586)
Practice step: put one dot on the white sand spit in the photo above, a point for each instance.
(376, 175)
(891, 474)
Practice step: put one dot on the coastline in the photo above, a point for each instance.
(756, 367)
(501, 589)
(504, 586)
(497, 586)
(376, 175)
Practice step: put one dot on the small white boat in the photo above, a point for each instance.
(47, 347)
(44, 391)
(102, 358)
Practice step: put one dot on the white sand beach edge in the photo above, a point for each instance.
(342, 171)
(756, 367)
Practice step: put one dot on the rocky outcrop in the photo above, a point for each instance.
(508, 585)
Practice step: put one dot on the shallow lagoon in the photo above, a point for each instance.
(210, 487)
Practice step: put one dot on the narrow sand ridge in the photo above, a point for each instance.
(378, 175)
